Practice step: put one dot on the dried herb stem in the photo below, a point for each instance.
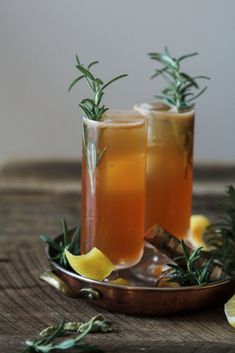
(51, 338)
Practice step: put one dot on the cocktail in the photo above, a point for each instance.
(113, 186)
(169, 168)
(170, 145)
(113, 176)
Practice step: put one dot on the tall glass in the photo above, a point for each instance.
(113, 186)
(169, 169)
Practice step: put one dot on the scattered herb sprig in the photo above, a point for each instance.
(92, 107)
(220, 237)
(179, 92)
(51, 338)
(99, 324)
(72, 246)
(193, 273)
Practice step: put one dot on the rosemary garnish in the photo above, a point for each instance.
(51, 338)
(179, 92)
(192, 268)
(92, 107)
(220, 237)
(93, 110)
(72, 246)
(193, 272)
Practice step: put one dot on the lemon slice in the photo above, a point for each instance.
(94, 264)
(229, 309)
(198, 225)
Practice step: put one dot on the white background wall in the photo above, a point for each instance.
(38, 43)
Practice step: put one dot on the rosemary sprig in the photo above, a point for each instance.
(193, 273)
(51, 338)
(92, 107)
(220, 237)
(73, 246)
(179, 92)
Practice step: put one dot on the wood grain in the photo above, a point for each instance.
(27, 305)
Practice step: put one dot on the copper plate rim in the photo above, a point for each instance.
(133, 288)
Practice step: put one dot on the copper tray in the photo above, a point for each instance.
(140, 297)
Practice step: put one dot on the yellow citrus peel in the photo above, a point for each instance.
(94, 265)
(229, 309)
(198, 225)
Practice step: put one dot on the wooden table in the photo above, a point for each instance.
(33, 198)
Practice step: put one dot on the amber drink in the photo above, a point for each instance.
(113, 186)
(169, 168)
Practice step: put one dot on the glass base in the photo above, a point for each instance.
(124, 265)
(152, 264)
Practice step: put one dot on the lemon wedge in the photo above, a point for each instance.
(94, 264)
(198, 225)
(229, 309)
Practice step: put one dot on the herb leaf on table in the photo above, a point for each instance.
(51, 338)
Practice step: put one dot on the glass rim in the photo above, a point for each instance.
(136, 118)
(142, 108)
